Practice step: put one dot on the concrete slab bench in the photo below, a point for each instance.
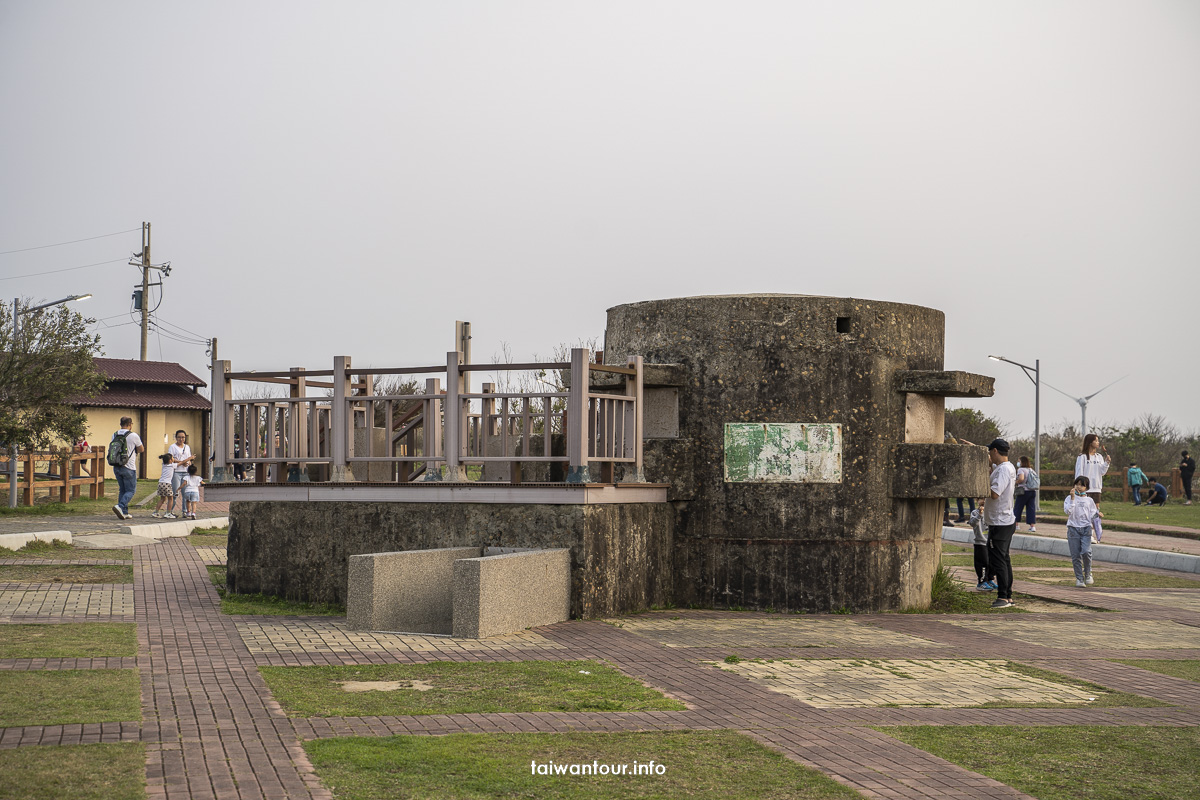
(465, 592)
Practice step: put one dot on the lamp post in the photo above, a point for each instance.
(16, 330)
(1034, 374)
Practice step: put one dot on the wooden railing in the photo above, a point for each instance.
(64, 473)
(1115, 481)
(444, 432)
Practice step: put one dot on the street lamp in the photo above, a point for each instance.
(1034, 374)
(16, 325)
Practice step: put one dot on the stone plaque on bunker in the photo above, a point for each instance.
(791, 452)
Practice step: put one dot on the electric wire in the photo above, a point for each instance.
(185, 330)
(73, 241)
(54, 271)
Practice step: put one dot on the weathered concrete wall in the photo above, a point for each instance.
(498, 594)
(792, 359)
(621, 554)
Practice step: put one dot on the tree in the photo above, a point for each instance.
(972, 425)
(44, 370)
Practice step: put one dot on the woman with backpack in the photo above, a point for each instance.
(1025, 495)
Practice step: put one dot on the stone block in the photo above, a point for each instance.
(409, 591)
(929, 470)
(498, 594)
(15, 541)
(945, 383)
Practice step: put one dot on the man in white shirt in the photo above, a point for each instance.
(126, 474)
(1002, 523)
(181, 457)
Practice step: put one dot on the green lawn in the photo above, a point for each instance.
(1188, 669)
(1110, 579)
(78, 772)
(238, 604)
(82, 506)
(1069, 763)
(1173, 513)
(68, 640)
(715, 764)
(209, 537)
(450, 687)
(62, 551)
(61, 697)
(66, 573)
(1017, 559)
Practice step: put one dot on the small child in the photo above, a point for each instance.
(983, 571)
(164, 487)
(1081, 511)
(191, 492)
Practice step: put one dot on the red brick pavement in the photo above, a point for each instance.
(213, 731)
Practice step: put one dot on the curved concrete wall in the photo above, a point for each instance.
(806, 546)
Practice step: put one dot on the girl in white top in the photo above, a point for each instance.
(1094, 467)
(191, 492)
(1081, 511)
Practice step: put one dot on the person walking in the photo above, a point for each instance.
(123, 452)
(1002, 523)
(1025, 495)
(1080, 510)
(1135, 478)
(1187, 468)
(1093, 466)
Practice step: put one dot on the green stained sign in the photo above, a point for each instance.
(783, 452)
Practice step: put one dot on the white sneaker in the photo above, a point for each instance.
(1094, 539)
(1033, 529)
(128, 516)
(120, 514)
(169, 515)
(1088, 579)
(1080, 585)
(155, 514)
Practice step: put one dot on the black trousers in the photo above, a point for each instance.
(1187, 484)
(999, 540)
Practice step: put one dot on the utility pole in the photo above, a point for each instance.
(145, 286)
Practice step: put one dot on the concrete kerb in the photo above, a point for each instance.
(1117, 554)
(15, 541)
(183, 527)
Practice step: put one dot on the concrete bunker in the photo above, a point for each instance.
(763, 451)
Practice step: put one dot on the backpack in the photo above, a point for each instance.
(1032, 481)
(118, 450)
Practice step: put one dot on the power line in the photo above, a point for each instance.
(73, 241)
(181, 328)
(53, 271)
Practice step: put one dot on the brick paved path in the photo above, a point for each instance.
(212, 729)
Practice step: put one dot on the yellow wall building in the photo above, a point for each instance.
(161, 397)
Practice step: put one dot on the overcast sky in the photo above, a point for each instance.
(351, 178)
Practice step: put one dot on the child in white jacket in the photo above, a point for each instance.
(1081, 511)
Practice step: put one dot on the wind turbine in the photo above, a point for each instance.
(1083, 401)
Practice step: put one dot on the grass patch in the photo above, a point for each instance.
(450, 687)
(43, 507)
(1105, 698)
(957, 548)
(209, 537)
(80, 772)
(62, 551)
(1111, 579)
(267, 604)
(1067, 763)
(950, 596)
(68, 640)
(1173, 513)
(66, 573)
(697, 764)
(61, 697)
(1017, 559)
(1188, 669)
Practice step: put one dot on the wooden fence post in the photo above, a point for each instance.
(340, 418)
(577, 421)
(454, 418)
(222, 422)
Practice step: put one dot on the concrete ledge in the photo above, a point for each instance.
(408, 591)
(15, 541)
(1116, 554)
(498, 594)
(182, 527)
